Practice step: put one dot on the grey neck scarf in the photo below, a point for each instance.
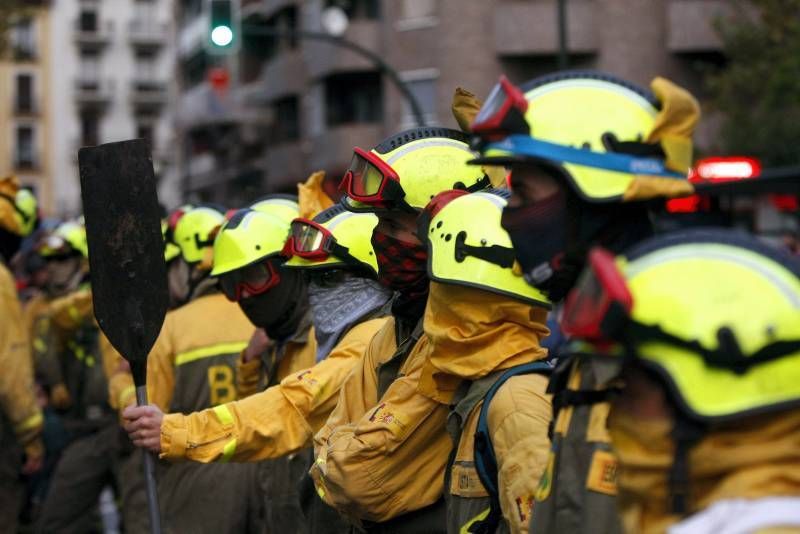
(334, 310)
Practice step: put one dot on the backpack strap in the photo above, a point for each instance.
(485, 460)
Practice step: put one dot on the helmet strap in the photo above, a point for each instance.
(686, 433)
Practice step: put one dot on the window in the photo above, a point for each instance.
(24, 93)
(424, 90)
(358, 9)
(88, 21)
(287, 120)
(417, 14)
(90, 129)
(145, 66)
(23, 39)
(26, 153)
(353, 97)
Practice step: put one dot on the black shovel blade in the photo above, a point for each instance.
(126, 248)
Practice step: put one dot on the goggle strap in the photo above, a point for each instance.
(729, 354)
(480, 185)
(497, 254)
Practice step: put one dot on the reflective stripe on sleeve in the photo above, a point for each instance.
(208, 352)
(228, 450)
(31, 422)
(224, 414)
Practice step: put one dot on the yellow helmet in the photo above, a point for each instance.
(609, 139)
(282, 206)
(171, 250)
(715, 313)
(18, 212)
(68, 238)
(335, 237)
(407, 170)
(467, 246)
(248, 237)
(194, 232)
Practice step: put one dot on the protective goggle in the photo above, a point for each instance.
(370, 180)
(600, 302)
(503, 113)
(312, 241)
(172, 223)
(255, 278)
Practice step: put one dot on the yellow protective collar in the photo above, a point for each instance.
(473, 333)
(311, 197)
(674, 124)
(465, 108)
(758, 457)
(9, 186)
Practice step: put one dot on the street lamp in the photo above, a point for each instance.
(335, 22)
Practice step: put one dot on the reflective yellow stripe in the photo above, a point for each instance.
(29, 423)
(39, 345)
(228, 450)
(480, 517)
(223, 414)
(208, 352)
(130, 390)
(321, 492)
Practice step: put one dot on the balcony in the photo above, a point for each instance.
(531, 28)
(91, 92)
(26, 107)
(690, 24)
(95, 38)
(147, 34)
(323, 58)
(283, 75)
(25, 161)
(148, 94)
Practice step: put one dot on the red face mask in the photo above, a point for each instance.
(402, 266)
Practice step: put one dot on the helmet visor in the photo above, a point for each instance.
(601, 290)
(252, 279)
(371, 180)
(308, 240)
(503, 113)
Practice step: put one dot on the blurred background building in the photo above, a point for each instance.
(25, 103)
(291, 105)
(111, 71)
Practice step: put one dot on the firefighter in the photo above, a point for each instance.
(347, 307)
(485, 325)
(381, 455)
(586, 153)
(702, 326)
(20, 415)
(71, 359)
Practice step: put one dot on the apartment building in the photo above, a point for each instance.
(25, 112)
(290, 106)
(110, 80)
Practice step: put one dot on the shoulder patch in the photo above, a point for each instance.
(602, 476)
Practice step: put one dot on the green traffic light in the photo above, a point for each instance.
(222, 35)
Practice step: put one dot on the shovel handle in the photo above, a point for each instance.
(150, 474)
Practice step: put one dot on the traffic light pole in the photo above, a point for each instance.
(378, 61)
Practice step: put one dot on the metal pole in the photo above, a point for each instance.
(150, 474)
(563, 58)
(378, 61)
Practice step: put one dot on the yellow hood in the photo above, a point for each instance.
(312, 197)
(9, 186)
(473, 333)
(755, 458)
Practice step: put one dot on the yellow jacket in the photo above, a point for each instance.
(208, 330)
(38, 306)
(17, 399)
(275, 422)
(379, 457)
(121, 391)
(477, 335)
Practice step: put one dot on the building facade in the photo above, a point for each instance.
(25, 108)
(112, 67)
(288, 106)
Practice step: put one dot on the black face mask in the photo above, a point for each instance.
(552, 238)
(279, 310)
(9, 245)
(539, 234)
